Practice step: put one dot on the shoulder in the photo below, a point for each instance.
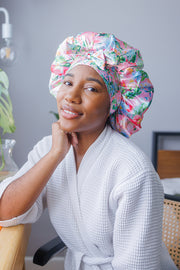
(126, 158)
(129, 169)
(126, 151)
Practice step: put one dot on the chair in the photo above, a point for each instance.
(13, 244)
(171, 227)
(167, 164)
(45, 252)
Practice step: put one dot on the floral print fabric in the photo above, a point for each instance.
(120, 66)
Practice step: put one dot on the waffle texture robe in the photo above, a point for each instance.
(109, 213)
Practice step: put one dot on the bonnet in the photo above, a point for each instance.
(120, 66)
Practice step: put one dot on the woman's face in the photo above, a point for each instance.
(83, 101)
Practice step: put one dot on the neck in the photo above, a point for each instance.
(84, 142)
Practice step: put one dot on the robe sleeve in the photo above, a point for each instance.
(33, 214)
(137, 235)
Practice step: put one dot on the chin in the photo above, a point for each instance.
(67, 128)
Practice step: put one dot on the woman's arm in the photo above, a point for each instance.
(21, 194)
(138, 224)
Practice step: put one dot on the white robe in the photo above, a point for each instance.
(109, 214)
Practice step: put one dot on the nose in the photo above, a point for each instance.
(73, 95)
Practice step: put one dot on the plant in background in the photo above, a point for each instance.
(55, 114)
(6, 116)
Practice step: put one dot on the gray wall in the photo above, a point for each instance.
(40, 25)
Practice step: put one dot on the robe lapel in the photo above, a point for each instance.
(91, 157)
(75, 202)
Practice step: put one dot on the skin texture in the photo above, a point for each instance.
(83, 107)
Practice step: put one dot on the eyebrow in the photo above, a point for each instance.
(95, 80)
(88, 79)
(69, 74)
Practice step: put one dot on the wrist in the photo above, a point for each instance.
(56, 156)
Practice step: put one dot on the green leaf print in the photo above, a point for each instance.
(133, 93)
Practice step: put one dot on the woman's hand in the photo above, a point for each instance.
(61, 141)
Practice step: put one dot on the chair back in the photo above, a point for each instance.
(171, 229)
(13, 244)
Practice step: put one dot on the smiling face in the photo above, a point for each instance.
(83, 101)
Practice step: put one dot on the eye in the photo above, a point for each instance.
(68, 83)
(91, 89)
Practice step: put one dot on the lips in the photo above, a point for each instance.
(69, 113)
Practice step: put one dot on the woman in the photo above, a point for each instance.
(104, 198)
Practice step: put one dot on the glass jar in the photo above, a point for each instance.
(7, 165)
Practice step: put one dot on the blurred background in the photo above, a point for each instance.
(38, 28)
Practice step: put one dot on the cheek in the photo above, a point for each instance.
(107, 105)
(59, 97)
(104, 106)
(101, 108)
